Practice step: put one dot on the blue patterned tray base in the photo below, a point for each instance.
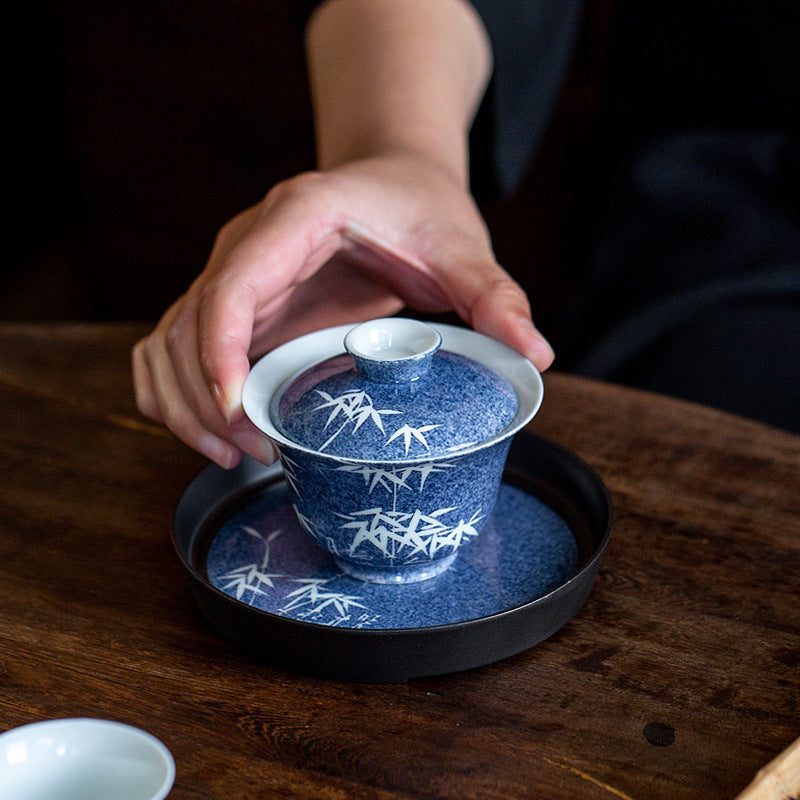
(262, 557)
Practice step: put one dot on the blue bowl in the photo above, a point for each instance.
(393, 436)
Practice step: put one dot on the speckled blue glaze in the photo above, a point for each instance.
(394, 522)
(393, 451)
(457, 403)
(410, 369)
(263, 558)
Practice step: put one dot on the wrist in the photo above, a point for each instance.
(446, 155)
(391, 77)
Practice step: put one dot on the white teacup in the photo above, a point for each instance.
(92, 759)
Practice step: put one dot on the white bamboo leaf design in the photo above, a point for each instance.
(357, 408)
(308, 586)
(251, 577)
(397, 534)
(407, 432)
(337, 407)
(424, 470)
(375, 416)
(310, 600)
(377, 476)
(442, 511)
(311, 596)
(396, 477)
(289, 472)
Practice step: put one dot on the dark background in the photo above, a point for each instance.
(138, 129)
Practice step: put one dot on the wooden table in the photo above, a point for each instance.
(678, 679)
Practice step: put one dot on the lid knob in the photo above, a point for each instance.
(392, 350)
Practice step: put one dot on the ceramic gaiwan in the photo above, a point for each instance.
(393, 435)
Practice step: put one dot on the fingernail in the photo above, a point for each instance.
(219, 399)
(257, 445)
(219, 451)
(226, 406)
(538, 346)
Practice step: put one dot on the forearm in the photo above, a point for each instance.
(390, 75)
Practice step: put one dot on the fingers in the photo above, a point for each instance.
(225, 328)
(159, 397)
(502, 311)
(270, 249)
(226, 309)
(458, 272)
(443, 260)
(272, 276)
(486, 297)
(189, 373)
(170, 389)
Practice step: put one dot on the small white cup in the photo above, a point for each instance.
(93, 759)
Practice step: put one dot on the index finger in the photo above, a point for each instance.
(274, 247)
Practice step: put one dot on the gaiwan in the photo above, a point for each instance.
(393, 435)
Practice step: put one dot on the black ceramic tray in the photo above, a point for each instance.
(263, 584)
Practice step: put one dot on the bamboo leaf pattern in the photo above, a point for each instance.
(407, 432)
(310, 601)
(252, 577)
(314, 601)
(408, 534)
(356, 407)
(395, 477)
(289, 472)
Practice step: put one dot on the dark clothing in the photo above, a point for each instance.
(691, 286)
(532, 43)
(694, 286)
(671, 64)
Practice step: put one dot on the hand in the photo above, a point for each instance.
(356, 242)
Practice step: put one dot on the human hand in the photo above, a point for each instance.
(355, 242)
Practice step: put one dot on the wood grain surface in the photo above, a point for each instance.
(678, 679)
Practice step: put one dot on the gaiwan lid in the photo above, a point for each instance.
(394, 395)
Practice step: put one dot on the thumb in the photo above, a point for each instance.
(226, 327)
(501, 310)
(491, 301)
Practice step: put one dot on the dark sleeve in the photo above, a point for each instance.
(532, 41)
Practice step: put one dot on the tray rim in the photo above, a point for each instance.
(256, 476)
